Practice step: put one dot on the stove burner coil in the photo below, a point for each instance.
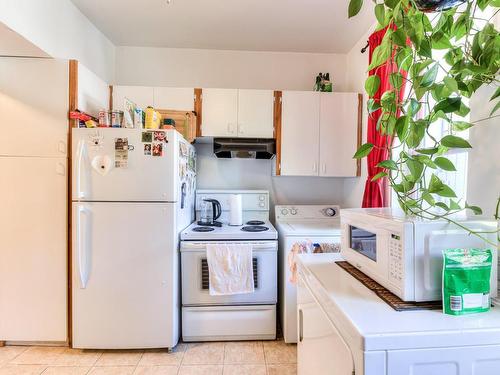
(254, 228)
(202, 229)
(255, 222)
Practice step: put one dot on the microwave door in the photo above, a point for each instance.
(364, 242)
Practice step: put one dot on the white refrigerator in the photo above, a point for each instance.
(33, 199)
(132, 194)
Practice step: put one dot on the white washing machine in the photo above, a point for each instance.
(306, 228)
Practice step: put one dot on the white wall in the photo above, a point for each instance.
(62, 31)
(357, 63)
(483, 180)
(226, 69)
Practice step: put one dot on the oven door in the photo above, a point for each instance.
(194, 270)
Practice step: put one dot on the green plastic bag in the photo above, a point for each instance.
(466, 281)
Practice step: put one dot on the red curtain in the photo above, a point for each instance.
(377, 192)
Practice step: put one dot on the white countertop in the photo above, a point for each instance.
(369, 323)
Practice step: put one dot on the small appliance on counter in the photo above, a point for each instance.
(404, 253)
(244, 316)
(210, 212)
(302, 229)
(235, 210)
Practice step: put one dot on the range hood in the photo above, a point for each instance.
(245, 148)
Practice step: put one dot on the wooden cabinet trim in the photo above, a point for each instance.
(72, 104)
(198, 109)
(277, 129)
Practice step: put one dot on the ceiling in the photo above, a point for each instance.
(13, 44)
(253, 25)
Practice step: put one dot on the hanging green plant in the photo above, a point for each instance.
(447, 55)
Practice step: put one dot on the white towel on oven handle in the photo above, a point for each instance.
(230, 268)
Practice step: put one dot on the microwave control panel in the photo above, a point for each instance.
(396, 258)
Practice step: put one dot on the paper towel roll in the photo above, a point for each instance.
(235, 212)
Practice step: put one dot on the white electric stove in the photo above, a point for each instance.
(249, 316)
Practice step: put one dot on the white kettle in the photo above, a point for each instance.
(235, 210)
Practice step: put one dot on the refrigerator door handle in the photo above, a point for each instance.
(80, 159)
(82, 244)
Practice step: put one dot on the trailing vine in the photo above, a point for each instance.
(442, 59)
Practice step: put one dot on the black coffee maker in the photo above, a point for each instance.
(210, 212)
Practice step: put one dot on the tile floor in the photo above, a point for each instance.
(218, 358)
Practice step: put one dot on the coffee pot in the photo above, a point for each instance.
(210, 212)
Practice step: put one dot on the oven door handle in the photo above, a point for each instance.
(202, 246)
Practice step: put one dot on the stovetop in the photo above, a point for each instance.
(250, 230)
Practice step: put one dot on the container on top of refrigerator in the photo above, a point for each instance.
(153, 118)
(128, 113)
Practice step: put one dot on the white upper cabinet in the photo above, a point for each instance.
(174, 98)
(338, 134)
(319, 134)
(255, 113)
(237, 113)
(141, 95)
(300, 133)
(220, 113)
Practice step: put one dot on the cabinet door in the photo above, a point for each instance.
(142, 96)
(33, 246)
(220, 113)
(174, 98)
(255, 113)
(300, 133)
(338, 134)
(320, 348)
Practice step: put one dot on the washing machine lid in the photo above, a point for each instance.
(311, 228)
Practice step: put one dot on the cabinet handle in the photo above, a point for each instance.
(240, 128)
(315, 167)
(324, 167)
(301, 325)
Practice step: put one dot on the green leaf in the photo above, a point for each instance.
(477, 210)
(451, 84)
(363, 151)
(388, 164)
(425, 49)
(440, 41)
(399, 38)
(443, 206)
(379, 175)
(454, 205)
(402, 127)
(380, 55)
(435, 184)
(430, 76)
(380, 14)
(461, 125)
(388, 101)
(427, 151)
(415, 167)
(452, 141)
(448, 105)
(446, 191)
(354, 7)
(444, 163)
(372, 84)
(497, 106)
(396, 80)
(496, 94)
(429, 198)
(372, 105)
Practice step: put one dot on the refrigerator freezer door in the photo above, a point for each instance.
(124, 275)
(33, 246)
(103, 173)
(33, 107)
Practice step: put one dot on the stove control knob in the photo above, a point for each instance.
(293, 211)
(330, 212)
(284, 211)
(261, 204)
(262, 198)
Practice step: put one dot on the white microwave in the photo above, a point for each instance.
(404, 253)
